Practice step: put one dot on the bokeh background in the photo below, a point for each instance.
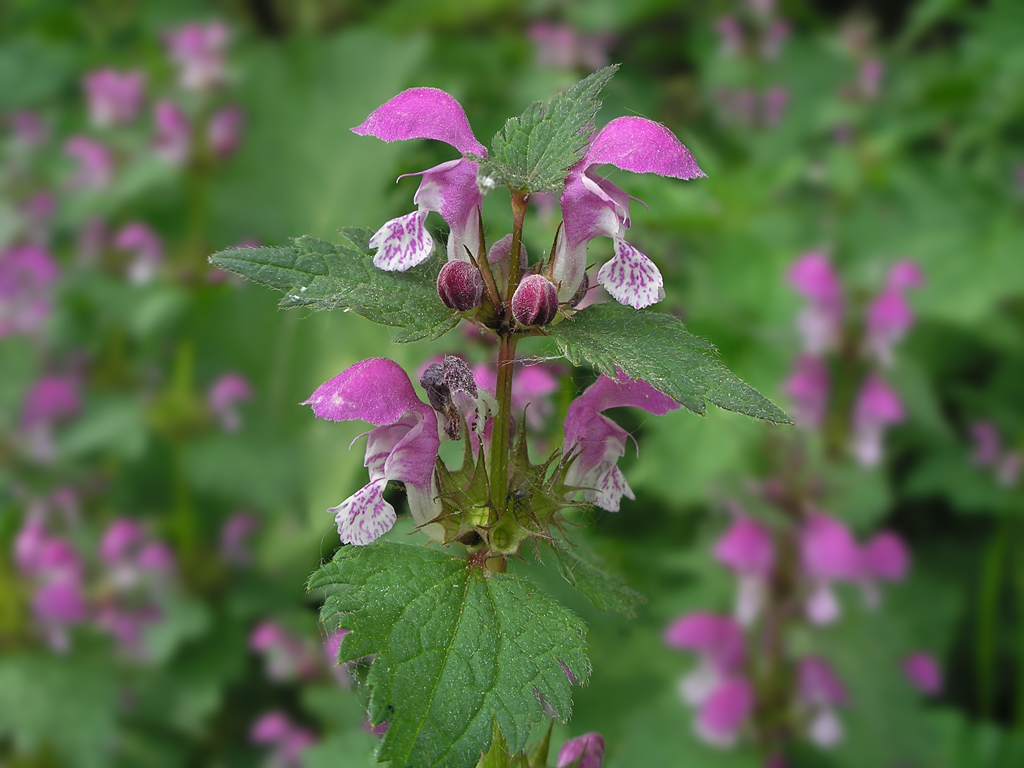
(162, 494)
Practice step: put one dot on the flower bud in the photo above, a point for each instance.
(581, 292)
(460, 285)
(535, 301)
(587, 749)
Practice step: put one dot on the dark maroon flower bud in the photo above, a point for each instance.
(581, 292)
(460, 286)
(586, 751)
(535, 301)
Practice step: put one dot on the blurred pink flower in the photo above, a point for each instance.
(285, 655)
(877, 407)
(723, 713)
(828, 553)
(821, 692)
(114, 97)
(26, 274)
(224, 395)
(50, 400)
(987, 443)
(776, 99)
(924, 672)
(821, 322)
(95, 163)
(532, 383)
(730, 34)
(560, 46)
(224, 130)
(808, 389)
(173, 142)
(234, 535)
(747, 549)
(275, 729)
(869, 79)
(198, 52)
(146, 248)
(889, 316)
(1009, 468)
(28, 129)
(884, 558)
(773, 39)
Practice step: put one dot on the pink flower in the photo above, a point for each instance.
(596, 443)
(828, 553)
(883, 558)
(730, 34)
(28, 129)
(402, 447)
(987, 443)
(173, 141)
(586, 751)
(95, 163)
(198, 51)
(774, 38)
(924, 672)
(286, 657)
(50, 400)
(26, 274)
(224, 130)
(114, 97)
(449, 189)
(748, 550)
(877, 407)
(234, 535)
(531, 386)
(821, 692)
(889, 316)
(869, 79)
(288, 740)
(821, 322)
(560, 46)
(222, 400)
(775, 102)
(724, 712)
(808, 389)
(594, 207)
(146, 248)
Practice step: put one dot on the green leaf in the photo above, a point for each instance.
(535, 151)
(606, 592)
(657, 348)
(323, 276)
(456, 650)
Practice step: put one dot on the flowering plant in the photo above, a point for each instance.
(466, 657)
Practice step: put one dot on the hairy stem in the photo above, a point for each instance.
(502, 422)
(519, 204)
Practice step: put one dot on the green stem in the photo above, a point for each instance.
(988, 615)
(519, 205)
(500, 434)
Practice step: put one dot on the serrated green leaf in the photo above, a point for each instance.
(604, 591)
(456, 650)
(322, 276)
(657, 348)
(535, 151)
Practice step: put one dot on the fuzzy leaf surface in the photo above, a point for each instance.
(322, 276)
(657, 348)
(605, 591)
(535, 151)
(456, 650)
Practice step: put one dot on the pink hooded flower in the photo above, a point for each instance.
(747, 549)
(449, 189)
(828, 553)
(821, 692)
(95, 163)
(586, 751)
(224, 130)
(198, 51)
(594, 207)
(596, 443)
(26, 274)
(889, 316)
(924, 672)
(821, 322)
(808, 389)
(146, 248)
(223, 398)
(173, 142)
(877, 407)
(57, 573)
(883, 558)
(114, 97)
(402, 447)
(724, 712)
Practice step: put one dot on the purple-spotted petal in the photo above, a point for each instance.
(422, 113)
(631, 278)
(605, 393)
(376, 390)
(365, 515)
(642, 146)
(402, 243)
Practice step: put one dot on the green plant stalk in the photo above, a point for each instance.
(520, 201)
(993, 571)
(502, 421)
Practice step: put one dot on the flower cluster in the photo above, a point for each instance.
(508, 298)
(786, 573)
(833, 343)
(989, 453)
